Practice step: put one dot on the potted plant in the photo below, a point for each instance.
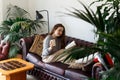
(17, 25)
(106, 20)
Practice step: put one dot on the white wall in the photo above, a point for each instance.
(1, 15)
(32, 8)
(74, 27)
(21, 3)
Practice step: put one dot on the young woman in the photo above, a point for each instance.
(54, 42)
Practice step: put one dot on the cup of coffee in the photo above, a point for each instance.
(53, 42)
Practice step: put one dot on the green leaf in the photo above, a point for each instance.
(14, 11)
(13, 51)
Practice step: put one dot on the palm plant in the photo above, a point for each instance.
(106, 20)
(103, 19)
(14, 11)
(17, 25)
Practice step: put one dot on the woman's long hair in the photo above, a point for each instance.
(62, 36)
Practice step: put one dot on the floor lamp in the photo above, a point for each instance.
(40, 16)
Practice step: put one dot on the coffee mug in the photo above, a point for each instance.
(53, 42)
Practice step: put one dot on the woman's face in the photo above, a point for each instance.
(58, 32)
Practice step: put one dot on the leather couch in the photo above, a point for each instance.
(58, 70)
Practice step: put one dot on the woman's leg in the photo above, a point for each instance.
(52, 57)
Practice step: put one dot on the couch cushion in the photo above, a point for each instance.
(77, 74)
(56, 67)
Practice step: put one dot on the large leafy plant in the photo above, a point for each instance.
(17, 24)
(106, 20)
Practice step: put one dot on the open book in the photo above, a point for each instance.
(70, 45)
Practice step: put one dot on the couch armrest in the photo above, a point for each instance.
(4, 50)
(34, 58)
(96, 69)
(25, 45)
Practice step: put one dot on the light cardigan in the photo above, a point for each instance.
(46, 42)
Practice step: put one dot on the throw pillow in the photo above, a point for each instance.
(70, 45)
(37, 45)
(100, 59)
(82, 62)
(85, 59)
(108, 59)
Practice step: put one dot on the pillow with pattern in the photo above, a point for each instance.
(37, 45)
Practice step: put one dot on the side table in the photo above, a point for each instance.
(14, 69)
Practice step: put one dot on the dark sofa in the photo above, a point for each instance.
(58, 70)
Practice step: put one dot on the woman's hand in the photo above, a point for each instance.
(52, 44)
